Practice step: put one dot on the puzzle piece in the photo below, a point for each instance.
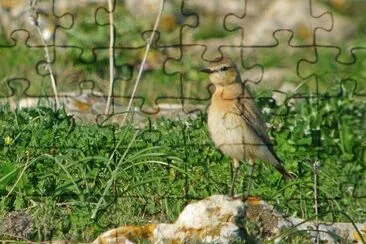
(155, 58)
(134, 32)
(199, 29)
(96, 55)
(257, 23)
(62, 51)
(190, 88)
(21, 15)
(77, 46)
(197, 50)
(32, 50)
(189, 77)
(259, 37)
(51, 25)
(130, 47)
(39, 85)
(253, 70)
(342, 28)
(126, 74)
(331, 76)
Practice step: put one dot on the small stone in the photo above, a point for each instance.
(16, 224)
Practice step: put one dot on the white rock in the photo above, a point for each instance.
(209, 212)
(215, 220)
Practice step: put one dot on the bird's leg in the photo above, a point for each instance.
(234, 172)
(251, 169)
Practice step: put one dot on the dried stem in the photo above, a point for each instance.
(111, 56)
(49, 68)
(315, 170)
(148, 45)
(47, 56)
(95, 211)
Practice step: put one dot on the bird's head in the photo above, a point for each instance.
(222, 72)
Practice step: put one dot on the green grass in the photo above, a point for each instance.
(61, 173)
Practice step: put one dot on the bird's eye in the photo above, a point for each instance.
(224, 68)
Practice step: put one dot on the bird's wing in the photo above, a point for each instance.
(250, 113)
(253, 118)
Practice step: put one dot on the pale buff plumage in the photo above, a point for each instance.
(235, 123)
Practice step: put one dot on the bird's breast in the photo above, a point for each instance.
(226, 128)
(229, 131)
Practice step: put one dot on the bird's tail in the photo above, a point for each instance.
(278, 164)
(286, 175)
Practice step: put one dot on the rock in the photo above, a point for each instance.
(88, 106)
(16, 224)
(222, 219)
(218, 7)
(123, 235)
(212, 220)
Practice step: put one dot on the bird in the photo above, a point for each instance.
(236, 124)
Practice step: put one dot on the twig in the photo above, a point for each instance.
(138, 78)
(47, 56)
(49, 68)
(315, 170)
(111, 56)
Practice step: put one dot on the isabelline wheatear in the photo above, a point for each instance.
(235, 123)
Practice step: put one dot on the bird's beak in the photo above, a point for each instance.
(206, 70)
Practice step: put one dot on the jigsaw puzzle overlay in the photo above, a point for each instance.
(288, 52)
(246, 32)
